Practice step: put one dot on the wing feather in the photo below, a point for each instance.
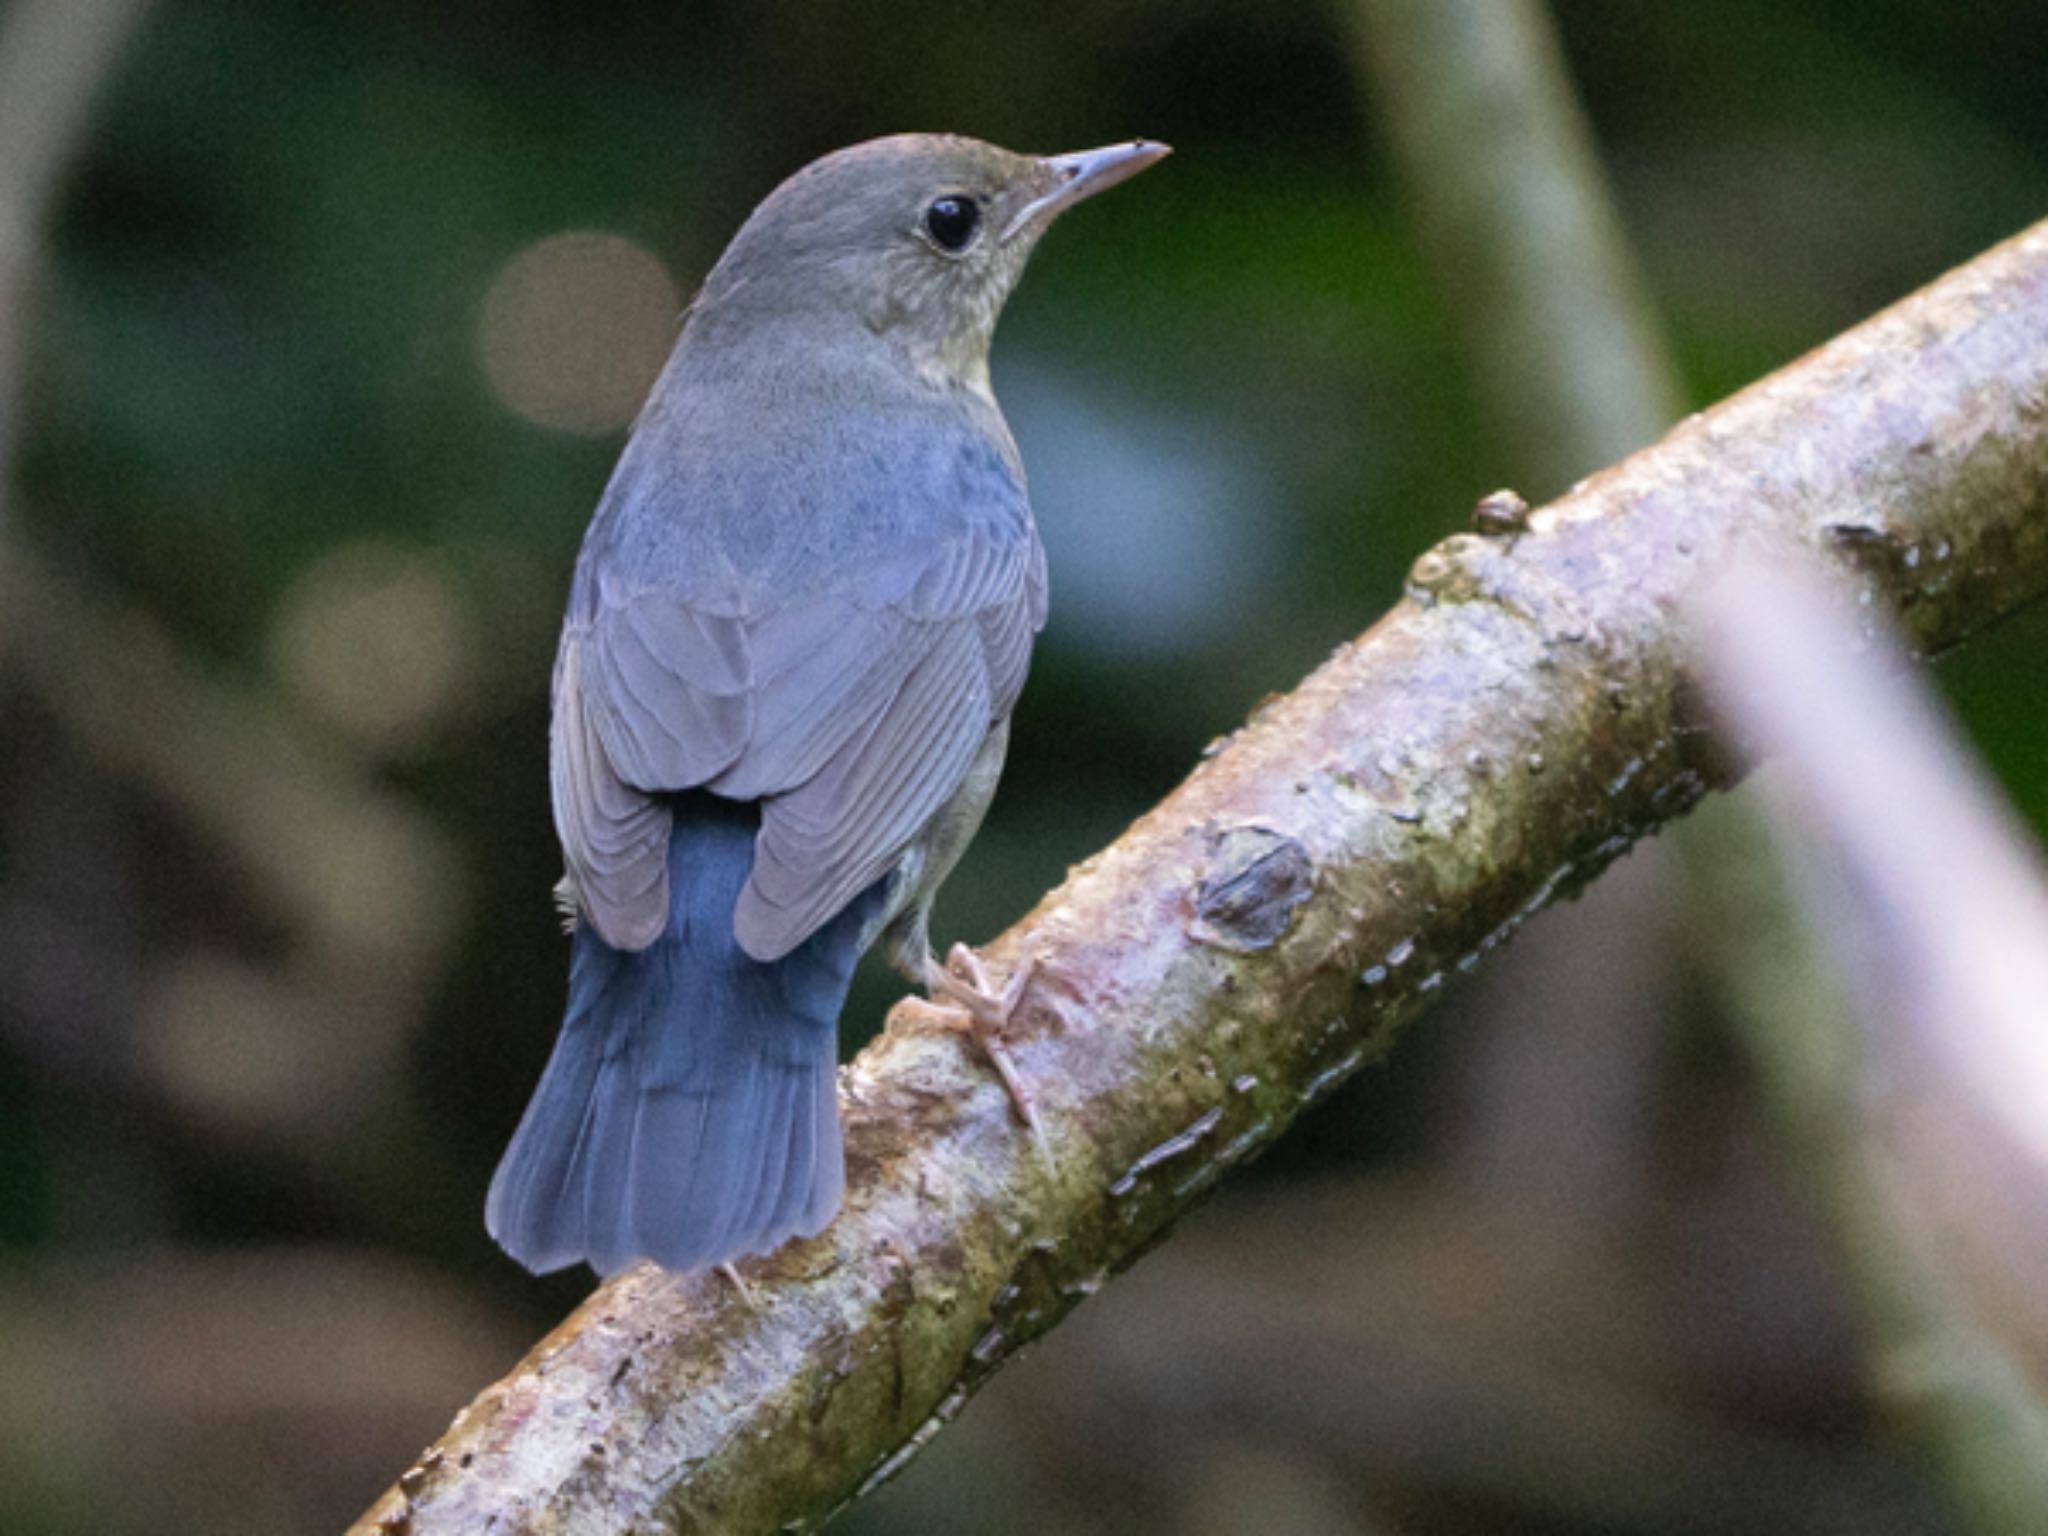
(673, 689)
(851, 708)
(614, 838)
(830, 682)
(828, 839)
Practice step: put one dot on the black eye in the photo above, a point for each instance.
(951, 222)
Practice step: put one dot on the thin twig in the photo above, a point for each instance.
(54, 54)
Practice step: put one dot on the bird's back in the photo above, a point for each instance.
(800, 476)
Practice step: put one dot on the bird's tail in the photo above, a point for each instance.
(689, 1114)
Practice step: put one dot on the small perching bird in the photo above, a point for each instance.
(801, 617)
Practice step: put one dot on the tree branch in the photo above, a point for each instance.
(1508, 191)
(54, 55)
(1507, 730)
(1505, 174)
(1886, 975)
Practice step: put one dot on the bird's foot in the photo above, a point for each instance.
(963, 999)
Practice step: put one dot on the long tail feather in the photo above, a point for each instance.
(689, 1114)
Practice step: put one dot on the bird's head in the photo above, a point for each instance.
(918, 239)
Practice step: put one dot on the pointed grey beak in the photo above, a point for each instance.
(1083, 174)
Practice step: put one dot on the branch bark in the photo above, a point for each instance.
(1513, 724)
(1527, 244)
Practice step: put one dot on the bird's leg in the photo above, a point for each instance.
(962, 999)
(739, 1284)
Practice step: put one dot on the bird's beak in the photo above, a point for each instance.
(1069, 178)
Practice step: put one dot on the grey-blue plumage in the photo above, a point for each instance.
(807, 584)
(688, 1112)
(800, 619)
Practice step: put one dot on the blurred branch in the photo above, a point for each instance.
(1507, 186)
(366, 882)
(1507, 730)
(53, 56)
(1910, 1074)
(303, 1044)
(1503, 169)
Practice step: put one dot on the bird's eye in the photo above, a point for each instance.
(952, 221)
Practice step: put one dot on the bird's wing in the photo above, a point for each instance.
(953, 668)
(614, 834)
(852, 714)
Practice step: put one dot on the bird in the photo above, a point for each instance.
(800, 619)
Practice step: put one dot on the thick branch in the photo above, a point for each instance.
(1493, 742)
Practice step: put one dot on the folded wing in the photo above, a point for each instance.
(851, 714)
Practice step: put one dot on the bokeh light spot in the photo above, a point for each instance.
(574, 329)
(229, 1046)
(372, 638)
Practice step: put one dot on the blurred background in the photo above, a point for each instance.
(320, 327)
